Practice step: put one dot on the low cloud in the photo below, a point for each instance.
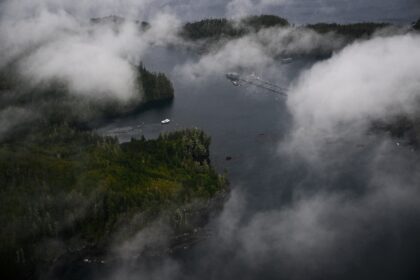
(338, 98)
(240, 53)
(326, 230)
(94, 60)
(259, 51)
(332, 227)
(86, 68)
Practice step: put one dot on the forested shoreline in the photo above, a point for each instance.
(216, 29)
(63, 190)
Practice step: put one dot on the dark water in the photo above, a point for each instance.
(247, 124)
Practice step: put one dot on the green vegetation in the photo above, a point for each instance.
(157, 87)
(210, 28)
(62, 189)
(352, 31)
(211, 34)
(219, 28)
(264, 21)
(65, 189)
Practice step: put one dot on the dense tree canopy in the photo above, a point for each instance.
(64, 188)
(217, 28)
(354, 31)
(78, 188)
(157, 87)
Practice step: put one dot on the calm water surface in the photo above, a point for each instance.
(248, 124)
(245, 123)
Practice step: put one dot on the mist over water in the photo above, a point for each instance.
(350, 213)
(314, 194)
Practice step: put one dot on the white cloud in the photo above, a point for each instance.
(258, 51)
(244, 52)
(50, 42)
(339, 97)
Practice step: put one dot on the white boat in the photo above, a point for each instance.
(165, 121)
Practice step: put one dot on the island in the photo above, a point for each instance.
(216, 29)
(67, 190)
(208, 35)
(219, 28)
